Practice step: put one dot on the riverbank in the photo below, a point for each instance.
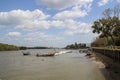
(107, 66)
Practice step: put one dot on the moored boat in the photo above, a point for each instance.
(26, 53)
(45, 55)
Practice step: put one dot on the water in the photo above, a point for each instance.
(69, 66)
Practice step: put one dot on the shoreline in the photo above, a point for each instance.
(107, 72)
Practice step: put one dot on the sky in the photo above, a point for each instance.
(52, 23)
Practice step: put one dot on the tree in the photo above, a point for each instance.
(109, 25)
(99, 27)
(107, 13)
(116, 24)
(6, 47)
(76, 46)
(116, 11)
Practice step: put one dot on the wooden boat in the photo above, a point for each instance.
(26, 53)
(88, 53)
(45, 55)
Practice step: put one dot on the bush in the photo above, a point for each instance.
(6, 47)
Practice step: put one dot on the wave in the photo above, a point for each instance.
(62, 52)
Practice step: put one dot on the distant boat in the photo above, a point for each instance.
(26, 53)
(45, 55)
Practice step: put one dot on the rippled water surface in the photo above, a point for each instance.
(69, 66)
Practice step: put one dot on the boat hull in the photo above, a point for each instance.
(25, 53)
(45, 55)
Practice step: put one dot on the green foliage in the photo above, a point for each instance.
(23, 48)
(6, 47)
(117, 42)
(108, 27)
(98, 42)
(76, 46)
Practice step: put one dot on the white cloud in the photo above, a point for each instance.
(75, 28)
(118, 0)
(43, 24)
(14, 34)
(103, 2)
(57, 24)
(16, 17)
(25, 20)
(71, 14)
(42, 36)
(75, 12)
(28, 20)
(72, 27)
(62, 4)
(33, 25)
(36, 20)
(33, 39)
(79, 31)
(77, 8)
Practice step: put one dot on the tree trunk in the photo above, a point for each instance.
(106, 40)
(113, 41)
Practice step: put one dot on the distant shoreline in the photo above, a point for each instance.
(8, 47)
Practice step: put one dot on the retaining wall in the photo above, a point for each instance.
(111, 53)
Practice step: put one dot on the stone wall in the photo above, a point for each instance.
(111, 59)
(111, 53)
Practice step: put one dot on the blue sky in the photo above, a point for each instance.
(53, 23)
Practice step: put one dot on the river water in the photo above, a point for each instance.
(69, 66)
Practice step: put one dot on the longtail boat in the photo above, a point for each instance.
(45, 55)
(26, 53)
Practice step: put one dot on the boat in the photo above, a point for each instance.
(88, 53)
(26, 53)
(45, 55)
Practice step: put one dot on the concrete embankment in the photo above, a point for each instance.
(111, 60)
